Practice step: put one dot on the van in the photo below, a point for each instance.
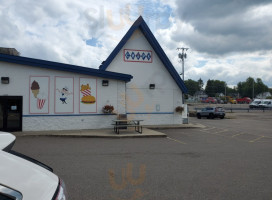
(255, 103)
(267, 103)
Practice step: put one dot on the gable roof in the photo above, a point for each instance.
(64, 67)
(140, 23)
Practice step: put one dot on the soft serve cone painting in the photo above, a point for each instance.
(39, 95)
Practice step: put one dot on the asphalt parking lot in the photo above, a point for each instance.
(227, 159)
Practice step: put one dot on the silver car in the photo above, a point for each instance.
(211, 112)
(24, 178)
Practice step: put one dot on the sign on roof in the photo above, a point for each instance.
(132, 55)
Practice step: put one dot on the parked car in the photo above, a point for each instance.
(230, 100)
(24, 178)
(211, 112)
(210, 100)
(243, 100)
(255, 103)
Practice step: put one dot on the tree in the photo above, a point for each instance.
(215, 86)
(250, 88)
(200, 83)
(192, 86)
(260, 87)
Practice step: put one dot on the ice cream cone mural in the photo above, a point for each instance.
(39, 94)
(35, 88)
(40, 103)
(87, 97)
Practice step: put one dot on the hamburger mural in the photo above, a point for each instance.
(87, 97)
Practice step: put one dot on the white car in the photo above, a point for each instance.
(24, 178)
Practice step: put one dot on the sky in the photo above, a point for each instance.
(228, 40)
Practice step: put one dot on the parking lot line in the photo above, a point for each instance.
(207, 129)
(176, 140)
(256, 139)
(237, 134)
(222, 131)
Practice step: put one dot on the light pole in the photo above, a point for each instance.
(182, 56)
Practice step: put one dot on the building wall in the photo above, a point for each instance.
(20, 83)
(154, 106)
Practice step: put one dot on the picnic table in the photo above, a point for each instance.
(124, 123)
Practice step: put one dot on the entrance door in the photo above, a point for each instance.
(11, 113)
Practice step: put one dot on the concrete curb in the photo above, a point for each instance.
(108, 133)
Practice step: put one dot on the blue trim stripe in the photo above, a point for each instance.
(151, 113)
(64, 67)
(102, 114)
(75, 115)
(140, 23)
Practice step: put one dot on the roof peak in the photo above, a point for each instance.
(141, 24)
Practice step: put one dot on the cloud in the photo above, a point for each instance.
(226, 38)
(222, 27)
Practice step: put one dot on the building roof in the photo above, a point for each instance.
(64, 67)
(140, 23)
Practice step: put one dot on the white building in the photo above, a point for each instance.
(137, 79)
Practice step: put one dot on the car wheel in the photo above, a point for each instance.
(198, 116)
(222, 117)
(211, 116)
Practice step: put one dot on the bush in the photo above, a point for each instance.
(108, 109)
(179, 109)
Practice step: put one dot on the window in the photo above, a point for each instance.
(9, 194)
(2, 197)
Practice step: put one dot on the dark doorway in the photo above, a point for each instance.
(11, 113)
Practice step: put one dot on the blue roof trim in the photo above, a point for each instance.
(64, 67)
(140, 23)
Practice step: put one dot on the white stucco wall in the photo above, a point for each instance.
(154, 106)
(114, 94)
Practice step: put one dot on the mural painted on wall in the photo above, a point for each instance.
(87, 95)
(64, 95)
(132, 55)
(39, 95)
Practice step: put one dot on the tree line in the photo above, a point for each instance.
(248, 88)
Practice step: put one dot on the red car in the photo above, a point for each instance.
(210, 100)
(244, 100)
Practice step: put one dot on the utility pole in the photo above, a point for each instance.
(182, 56)
(253, 90)
(225, 91)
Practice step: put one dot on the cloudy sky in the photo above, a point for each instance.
(227, 40)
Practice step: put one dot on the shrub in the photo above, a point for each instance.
(108, 109)
(179, 109)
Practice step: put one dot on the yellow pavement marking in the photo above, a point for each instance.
(207, 129)
(238, 134)
(176, 140)
(256, 139)
(222, 131)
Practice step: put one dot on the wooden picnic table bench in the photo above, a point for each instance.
(123, 123)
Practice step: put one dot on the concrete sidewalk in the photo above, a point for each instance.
(109, 133)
